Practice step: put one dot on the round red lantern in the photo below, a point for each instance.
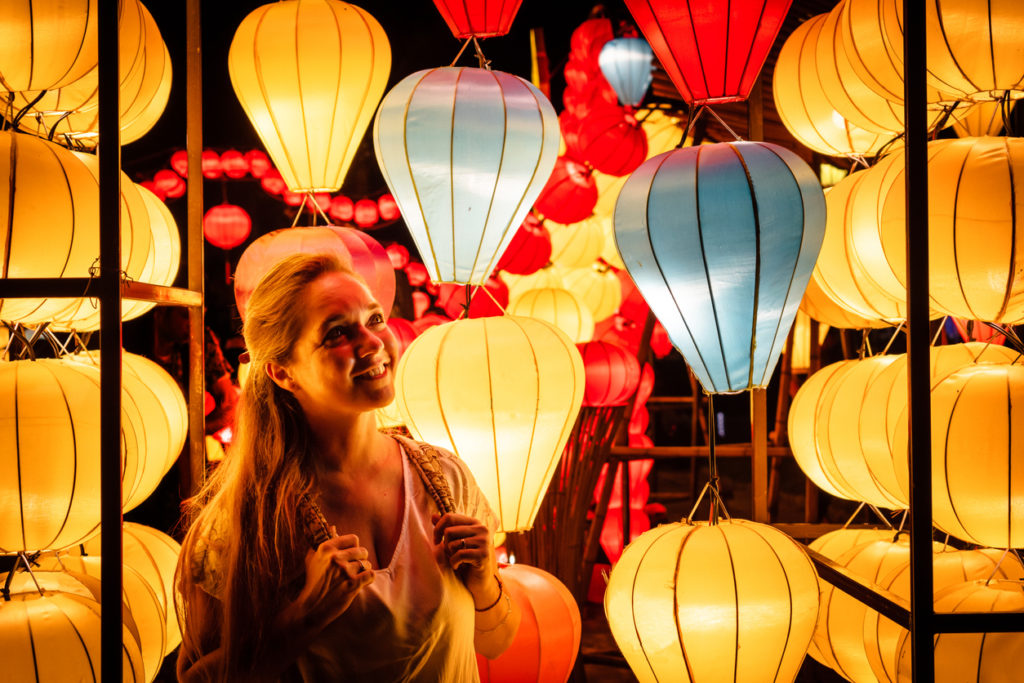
(530, 249)
(613, 374)
(452, 298)
(366, 213)
(420, 304)
(596, 93)
(570, 193)
(569, 124)
(226, 226)
(404, 332)
(341, 209)
(398, 255)
(416, 273)
(612, 141)
(234, 164)
(587, 40)
(272, 182)
(547, 608)
(292, 198)
(211, 165)
(169, 183)
(151, 186)
(258, 162)
(479, 18)
(387, 207)
(179, 162)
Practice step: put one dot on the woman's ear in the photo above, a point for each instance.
(280, 376)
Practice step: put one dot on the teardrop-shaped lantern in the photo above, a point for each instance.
(713, 50)
(721, 241)
(309, 74)
(465, 152)
(627, 64)
(478, 18)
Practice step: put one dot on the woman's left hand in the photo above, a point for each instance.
(467, 544)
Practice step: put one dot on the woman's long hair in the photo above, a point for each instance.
(249, 509)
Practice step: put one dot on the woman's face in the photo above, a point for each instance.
(344, 359)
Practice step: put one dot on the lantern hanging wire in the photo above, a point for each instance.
(21, 559)
(715, 499)
(480, 58)
(695, 116)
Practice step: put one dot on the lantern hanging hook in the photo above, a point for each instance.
(53, 128)
(317, 209)
(995, 570)
(21, 559)
(694, 117)
(712, 486)
(21, 114)
(484, 62)
(878, 513)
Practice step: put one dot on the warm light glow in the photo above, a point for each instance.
(558, 307)
(580, 244)
(34, 56)
(598, 287)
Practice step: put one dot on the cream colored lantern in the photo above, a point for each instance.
(558, 307)
(580, 244)
(598, 287)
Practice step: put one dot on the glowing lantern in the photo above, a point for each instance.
(983, 118)
(179, 162)
(387, 207)
(494, 301)
(558, 307)
(587, 40)
(342, 209)
(721, 240)
(226, 226)
(835, 543)
(802, 105)
(272, 182)
(464, 152)
(549, 277)
(529, 250)
(627, 64)
(166, 239)
(548, 640)
(975, 188)
(478, 18)
(416, 273)
(169, 183)
(612, 141)
(211, 166)
(259, 163)
(398, 255)
(598, 287)
(613, 374)
(506, 411)
(365, 213)
(973, 657)
(34, 56)
(577, 245)
(234, 164)
(309, 74)
(801, 360)
(693, 602)
(712, 51)
(569, 195)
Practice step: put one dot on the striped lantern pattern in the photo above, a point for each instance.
(558, 307)
(478, 18)
(613, 374)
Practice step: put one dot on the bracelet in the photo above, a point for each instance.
(501, 591)
(508, 611)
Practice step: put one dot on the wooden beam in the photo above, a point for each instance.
(759, 461)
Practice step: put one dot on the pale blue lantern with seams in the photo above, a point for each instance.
(721, 241)
(627, 64)
(465, 151)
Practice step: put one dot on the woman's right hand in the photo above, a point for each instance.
(335, 573)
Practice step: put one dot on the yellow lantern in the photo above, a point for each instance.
(664, 131)
(309, 75)
(977, 455)
(819, 304)
(558, 307)
(974, 657)
(577, 245)
(548, 277)
(506, 409)
(166, 239)
(976, 204)
(47, 43)
(608, 187)
(610, 253)
(801, 361)
(736, 601)
(983, 118)
(598, 287)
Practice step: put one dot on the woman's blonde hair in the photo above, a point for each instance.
(252, 502)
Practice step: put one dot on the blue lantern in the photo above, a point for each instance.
(721, 241)
(465, 152)
(627, 64)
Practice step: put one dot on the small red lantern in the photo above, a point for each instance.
(569, 124)
(452, 298)
(612, 141)
(480, 18)
(570, 193)
(259, 163)
(366, 213)
(341, 209)
(587, 40)
(169, 183)
(388, 208)
(613, 374)
(179, 162)
(234, 164)
(398, 255)
(292, 198)
(226, 226)
(152, 187)
(272, 182)
(596, 94)
(420, 304)
(322, 200)
(529, 250)
(713, 50)
(416, 273)
(548, 640)
(404, 332)
(211, 165)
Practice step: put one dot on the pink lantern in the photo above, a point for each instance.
(398, 255)
(226, 226)
(234, 164)
(570, 193)
(366, 213)
(416, 272)
(388, 208)
(259, 163)
(529, 250)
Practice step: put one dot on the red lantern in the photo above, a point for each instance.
(596, 94)
(404, 332)
(478, 18)
(179, 162)
(587, 40)
(226, 226)
(259, 163)
(416, 273)
(388, 208)
(398, 255)
(548, 640)
(151, 186)
(529, 250)
(420, 304)
(211, 165)
(292, 198)
(452, 298)
(429, 320)
(169, 183)
(272, 182)
(234, 164)
(713, 50)
(341, 209)
(612, 141)
(613, 374)
(366, 213)
(570, 193)
(569, 124)
(577, 75)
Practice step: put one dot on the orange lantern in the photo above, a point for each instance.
(983, 118)
(35, 56)
(819, 304)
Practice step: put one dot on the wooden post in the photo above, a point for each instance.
(759, 461)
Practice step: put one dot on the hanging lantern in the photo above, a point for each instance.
(627, 64)
(166, 239)
(365, 213)
(309, 74)
(464, 152)
(387, 207)
(548, 640)
(259, 163)
(975, 188)
(529, 250)
(713, 52)
(598, 287)
(818, 304)
(973, 657)
(482, 304)
(569, 195)
(577, 245)
(613, 374)
(693, 602)
(169, 183)
(558, 307)
(226, 226)
(506, 411)
(586, 42)
(801, 356)
(342, 209)
(416, 273)
(34, 56)
(211, 166)
(721, 240)
(983, 118)
(612, 141)
(549, 277)
(478, 18)
(398, 255)
(234, 164)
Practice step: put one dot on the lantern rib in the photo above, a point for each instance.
(1009, 462)
(81, 641)
(736, 602)
(952, 56)
(17, 441)
(337, 96)
(302, 104)
(74, 446)
(750, 50)
(1011, 270)
(757, 272)
(533, 430)
(71, 206)
(956, 260)
(437, 387)
(451, 172)
(945, 460)
(494, 190)
(675, 593)
(728, 44)
(12, 164)
(632, 598)
(789, 593)
(700, 57)
(494, 429)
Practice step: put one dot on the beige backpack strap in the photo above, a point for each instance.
(427, 463)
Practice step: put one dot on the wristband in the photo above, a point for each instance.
(501, 591)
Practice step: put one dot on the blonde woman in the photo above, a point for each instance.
(322, 549)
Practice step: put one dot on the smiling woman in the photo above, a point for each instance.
(317, 553)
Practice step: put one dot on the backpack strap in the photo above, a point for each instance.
(427, 462)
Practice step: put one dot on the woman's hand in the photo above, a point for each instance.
(469, 549)
(335, 573)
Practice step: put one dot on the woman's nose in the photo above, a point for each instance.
(369, 342)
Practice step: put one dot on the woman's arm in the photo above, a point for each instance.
(497, 618)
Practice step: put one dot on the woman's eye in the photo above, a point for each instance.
(377, 319)
(334, 334)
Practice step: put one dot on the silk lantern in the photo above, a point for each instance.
(488, 299)
(548, 640)
(529, 250)
(226, 226)
(695, 602)
(721, 240)
(612, 141)
(506, 411)
(465, 152)
(558, 307)
(598, 287)
(478, 18)
(712, 50)
(577, 245)
(613, 374)
(569, 195)
(627, 64)
(983, 118)
(549, 277)
(35, 56)
(587, 40)
(309, 74)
